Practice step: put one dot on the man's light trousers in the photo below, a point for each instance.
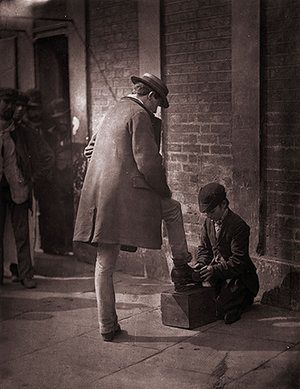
(107, 255)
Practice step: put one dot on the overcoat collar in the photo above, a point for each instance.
(156, 122)
(139, 102)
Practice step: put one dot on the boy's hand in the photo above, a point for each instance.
(206, 273)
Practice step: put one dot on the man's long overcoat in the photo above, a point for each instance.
(125, 180)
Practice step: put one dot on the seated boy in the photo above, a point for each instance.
(223, 255)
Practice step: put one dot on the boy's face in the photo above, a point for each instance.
(216, 213)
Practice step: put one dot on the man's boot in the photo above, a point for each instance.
(181, 276)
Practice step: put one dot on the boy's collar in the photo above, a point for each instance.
(220, 221)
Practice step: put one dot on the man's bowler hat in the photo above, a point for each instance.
(35, 98)
(156, 84)
(22, 98)
(210, 196)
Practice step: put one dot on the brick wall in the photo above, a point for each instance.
(51, 9)
(112, 35)
(281, 122)
(196, 56)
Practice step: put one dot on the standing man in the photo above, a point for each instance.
(125, 194)
(44, 189)
(20, 109)
(23, 161)
(223, 254)
(62, 177)
(14, 188)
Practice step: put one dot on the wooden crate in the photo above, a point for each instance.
(188, 309)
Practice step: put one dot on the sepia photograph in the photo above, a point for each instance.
(150, 194)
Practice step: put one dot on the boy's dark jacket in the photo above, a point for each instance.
(229, 253)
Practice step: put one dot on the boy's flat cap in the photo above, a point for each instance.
(210, 196)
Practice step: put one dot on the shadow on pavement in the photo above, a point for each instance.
(259, 329)
(15, 307)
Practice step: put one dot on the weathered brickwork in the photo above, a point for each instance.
(281, 123)
(112, 36)
(196, 56)
(196, 65)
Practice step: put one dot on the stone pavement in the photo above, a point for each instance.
(49, 339)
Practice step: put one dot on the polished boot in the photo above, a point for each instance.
(232, 316)
(182, 277)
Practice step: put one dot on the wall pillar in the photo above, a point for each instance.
(149, 36)
(77, 69)
(150, 263)
(246, 112)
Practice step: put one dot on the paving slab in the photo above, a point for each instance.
(265, 323)
(146, 330)
(223, 357)
(51, 319)
(16, 304)
(143, 376)
(125, 283)
(52, 284)
(281, 372)
(51, 340)
(58, 265)
(33, 331)
(73, 363)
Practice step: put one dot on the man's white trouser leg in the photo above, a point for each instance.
(107, 255)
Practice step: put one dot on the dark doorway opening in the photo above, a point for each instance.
(55, 195)
(52, 71)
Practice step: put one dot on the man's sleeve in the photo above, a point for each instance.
(146, 154)
(237, 263)
(204, 251)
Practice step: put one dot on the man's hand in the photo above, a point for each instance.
(206, 273)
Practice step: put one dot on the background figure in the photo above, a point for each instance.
(54, 192)
(56, 224)
(44, 190)
(24, 161)
(14, 187)
(21, 106)
(20, 109)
